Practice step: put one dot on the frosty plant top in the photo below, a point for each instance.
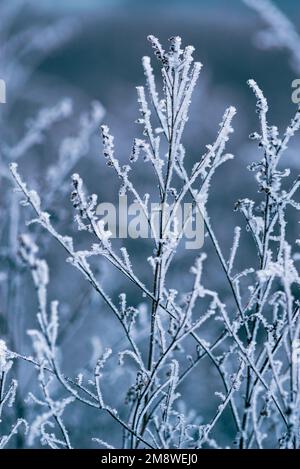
(172, 217)
(178, 210)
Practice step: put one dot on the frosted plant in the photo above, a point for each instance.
(22, 50)
(8, 394)
(71, 149)
(281, 32)
(250, 340)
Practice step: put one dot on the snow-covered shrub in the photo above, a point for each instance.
(250, 344)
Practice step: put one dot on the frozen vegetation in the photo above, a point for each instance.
(163, 335)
